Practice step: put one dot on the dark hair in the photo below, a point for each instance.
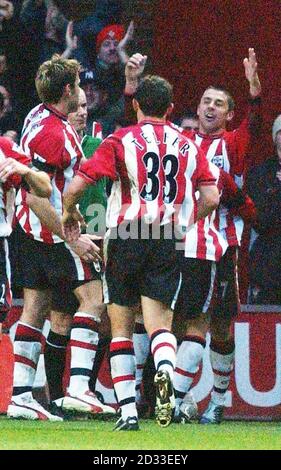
(188, 114)
(230, 100)
(53, 75)
(154, 95)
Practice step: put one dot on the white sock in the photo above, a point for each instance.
(83, 341)
(189, 357)
(27, 348)
(123, 369)
(163, 348)
(142, 348)
(222, 365)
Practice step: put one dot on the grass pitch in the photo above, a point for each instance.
(98, 435)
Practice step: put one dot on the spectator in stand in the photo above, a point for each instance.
(14, 48)
(264, 187)
(6, 12)
(4, 73)
(43, 18)
(104, 86)
(106, 12)
(99, 108)
(8, 120)
(189, 121)
(112, 57)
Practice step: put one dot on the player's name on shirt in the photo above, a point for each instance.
(144, 138)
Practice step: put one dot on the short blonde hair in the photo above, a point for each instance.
(53, 75)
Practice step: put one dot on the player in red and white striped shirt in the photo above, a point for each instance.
(53, 146)
(45, 260)
(227, 150)
(155, 169)
(204, 247)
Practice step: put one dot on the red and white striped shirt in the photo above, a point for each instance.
(53, 146)
(9, 149)
(203, 240)
(227, 151)
(155, 170)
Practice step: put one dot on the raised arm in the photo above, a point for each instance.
(251, 73)
(122, 45)
(133, 71)
(71, 41)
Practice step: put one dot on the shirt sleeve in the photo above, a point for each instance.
(236, 200)
(102, 163)
(48, 152)
(240, 138)
(203, 174)
(12, 150)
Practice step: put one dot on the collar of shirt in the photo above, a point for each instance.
(153, 122)
(55, 111)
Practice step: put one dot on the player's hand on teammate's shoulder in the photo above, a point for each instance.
(251, 73)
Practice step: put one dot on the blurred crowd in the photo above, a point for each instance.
(31, 31)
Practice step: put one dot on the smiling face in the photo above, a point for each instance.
(213, 111)
(108, 52)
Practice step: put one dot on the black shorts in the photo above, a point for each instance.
(44, 266)
(5, 279)
(197, 286)
(138, 267)
(226, 299)
(14, 253)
